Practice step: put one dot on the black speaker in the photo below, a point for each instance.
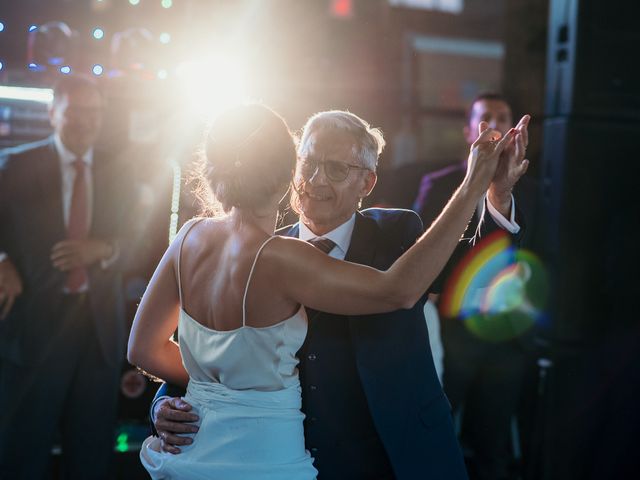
(587, 233)
(592, 58)
(590, 186)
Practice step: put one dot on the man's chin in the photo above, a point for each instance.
(317, 213)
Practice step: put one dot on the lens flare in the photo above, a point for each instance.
(498, 291)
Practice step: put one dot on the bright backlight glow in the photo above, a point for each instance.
(213, 84)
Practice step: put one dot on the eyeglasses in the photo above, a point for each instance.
(334, 170)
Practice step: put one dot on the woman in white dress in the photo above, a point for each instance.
(236, 294)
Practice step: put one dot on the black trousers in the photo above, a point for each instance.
(485, 379)
(71, 390)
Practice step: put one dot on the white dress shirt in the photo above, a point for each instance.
(341, 236)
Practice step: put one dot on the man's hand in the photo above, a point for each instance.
(173, 416)
(69, 254)
(10, 287)
(512, 165)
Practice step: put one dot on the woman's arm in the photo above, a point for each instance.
(315, 280)
(150, 345)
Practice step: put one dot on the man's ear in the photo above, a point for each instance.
(369, 182)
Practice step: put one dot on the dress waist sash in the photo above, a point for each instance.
(211, 394)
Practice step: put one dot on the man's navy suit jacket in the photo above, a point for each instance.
(31, 219)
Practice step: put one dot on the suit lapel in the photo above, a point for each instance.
(49, 181)
(291, 231)
(362, 248)
(100, 203)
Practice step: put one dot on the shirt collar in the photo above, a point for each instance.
(341, 235)
(67, 156)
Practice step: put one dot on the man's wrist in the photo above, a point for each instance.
(155, 406)
(501, 201)
(110, 253)
(107, 250)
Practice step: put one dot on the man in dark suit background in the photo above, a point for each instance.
(482, 379)
(373, 404)
(62, 210)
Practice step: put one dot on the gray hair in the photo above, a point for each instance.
(368, 141)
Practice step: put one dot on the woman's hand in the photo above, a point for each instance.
(484, 157)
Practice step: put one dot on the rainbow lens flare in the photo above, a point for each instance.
(498, 291)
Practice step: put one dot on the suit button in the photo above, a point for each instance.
(312, 356)
(312, 387)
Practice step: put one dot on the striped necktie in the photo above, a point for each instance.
(323, 244)
(78, 228)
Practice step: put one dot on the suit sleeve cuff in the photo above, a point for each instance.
(510, 225)
(107, 262)
(152, 413)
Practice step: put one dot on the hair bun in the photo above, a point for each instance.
(249, 155)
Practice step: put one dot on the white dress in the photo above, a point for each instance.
(244, 386)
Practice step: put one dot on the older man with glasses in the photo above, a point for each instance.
(373, 403)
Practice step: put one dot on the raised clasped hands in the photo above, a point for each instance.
(484, 156)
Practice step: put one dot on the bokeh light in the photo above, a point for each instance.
(165, 37)
(166, 3)
(98, 33)
(1, 26)
(66, 69)
(498, 291)
(134, 2)
(32, 27)
(97, 69)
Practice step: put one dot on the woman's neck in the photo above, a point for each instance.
(264, 218)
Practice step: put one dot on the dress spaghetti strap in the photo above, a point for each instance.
(193, 223)
(246, 288)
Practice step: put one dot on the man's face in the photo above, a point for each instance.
(495, 112)
(77, 118)
(326, 203)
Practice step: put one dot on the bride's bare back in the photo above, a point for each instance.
(215, 263)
